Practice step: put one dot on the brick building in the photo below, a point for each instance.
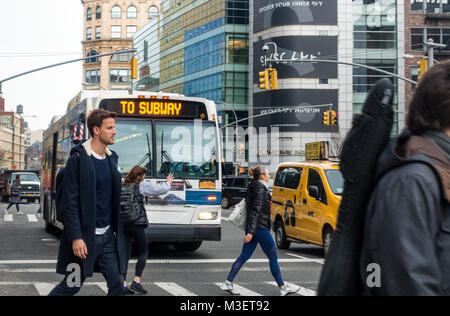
(424, 19)
(109, 26)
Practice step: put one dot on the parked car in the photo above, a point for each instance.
(234, 190)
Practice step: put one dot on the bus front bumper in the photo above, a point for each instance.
(182, 233)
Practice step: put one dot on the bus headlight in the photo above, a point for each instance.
(207, 216)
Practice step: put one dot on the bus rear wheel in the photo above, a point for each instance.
(187, 246)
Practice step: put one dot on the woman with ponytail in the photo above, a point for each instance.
(257, 231)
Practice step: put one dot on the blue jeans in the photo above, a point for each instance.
(106, 261)
(264, 238)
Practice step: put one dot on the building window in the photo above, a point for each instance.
(116, 12)
(131, 29)
(89, 14)
(131, 12)
(417, 38)
(98, 13)
(119, 76)
(153, 12)
(92, 76)
(116, 31)
(125, 57)
(98, 32)
(430, 6)
(94, 59)
(438, 35)
(88, 33)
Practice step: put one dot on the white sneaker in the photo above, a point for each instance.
(6, 212)
(19, 213)
(289, 289)
(229, 288)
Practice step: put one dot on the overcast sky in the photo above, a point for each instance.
(37, 33)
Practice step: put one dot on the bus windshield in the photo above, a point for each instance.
(186, 149)
(133, 143)
(178, 149)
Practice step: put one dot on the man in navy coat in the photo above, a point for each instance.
(92, 239)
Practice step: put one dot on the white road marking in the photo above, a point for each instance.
(103, 286)
(174, 289)
(32, 218)
(242, 290)
(31, 270)
(175, 261)
(8, 218)
(321, 261)
(303, 290)
(44, 288)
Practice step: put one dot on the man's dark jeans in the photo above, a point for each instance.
(107, 262)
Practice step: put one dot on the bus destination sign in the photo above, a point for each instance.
(155, 108)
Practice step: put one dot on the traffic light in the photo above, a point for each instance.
(274, 79)
(264, 79)
(10, 156)
(134, 67)
(326, 118)
(333, 118)
(423, 67)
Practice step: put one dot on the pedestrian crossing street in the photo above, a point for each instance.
(154, 289)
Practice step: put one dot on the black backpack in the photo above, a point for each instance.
(130, 209)
(59, 193)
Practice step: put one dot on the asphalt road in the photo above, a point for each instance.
(28, 259)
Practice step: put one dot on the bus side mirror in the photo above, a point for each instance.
(313, 192)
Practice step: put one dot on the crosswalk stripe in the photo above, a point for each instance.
(242, 290)
(8, 218)
(174, 289)
(32, 218)
(103, 286)
(303, 290)
(44, 288)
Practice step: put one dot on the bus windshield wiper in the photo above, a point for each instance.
(165, 154)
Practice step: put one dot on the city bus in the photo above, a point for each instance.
(166, 133)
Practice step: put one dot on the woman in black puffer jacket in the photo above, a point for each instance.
(136, 230)
(257, 231)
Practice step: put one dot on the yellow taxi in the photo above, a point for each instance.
(305, 201)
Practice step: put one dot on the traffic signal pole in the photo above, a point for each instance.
(64, 63)
(343, 63)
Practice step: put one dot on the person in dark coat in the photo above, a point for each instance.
(257, 231)
(93, 238)
(136, 231)
(406, 245)
(15, 195)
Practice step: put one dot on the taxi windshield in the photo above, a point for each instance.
(336, 181)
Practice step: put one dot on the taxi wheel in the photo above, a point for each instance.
(280, 236)
(327, 237)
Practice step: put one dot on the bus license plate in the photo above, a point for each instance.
(29, 194)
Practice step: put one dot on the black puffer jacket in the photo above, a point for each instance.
(142, 220)
(258, 206)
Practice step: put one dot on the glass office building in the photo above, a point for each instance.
(376, 44)
(198, 48)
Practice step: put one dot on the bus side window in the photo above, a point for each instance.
(315, 180)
